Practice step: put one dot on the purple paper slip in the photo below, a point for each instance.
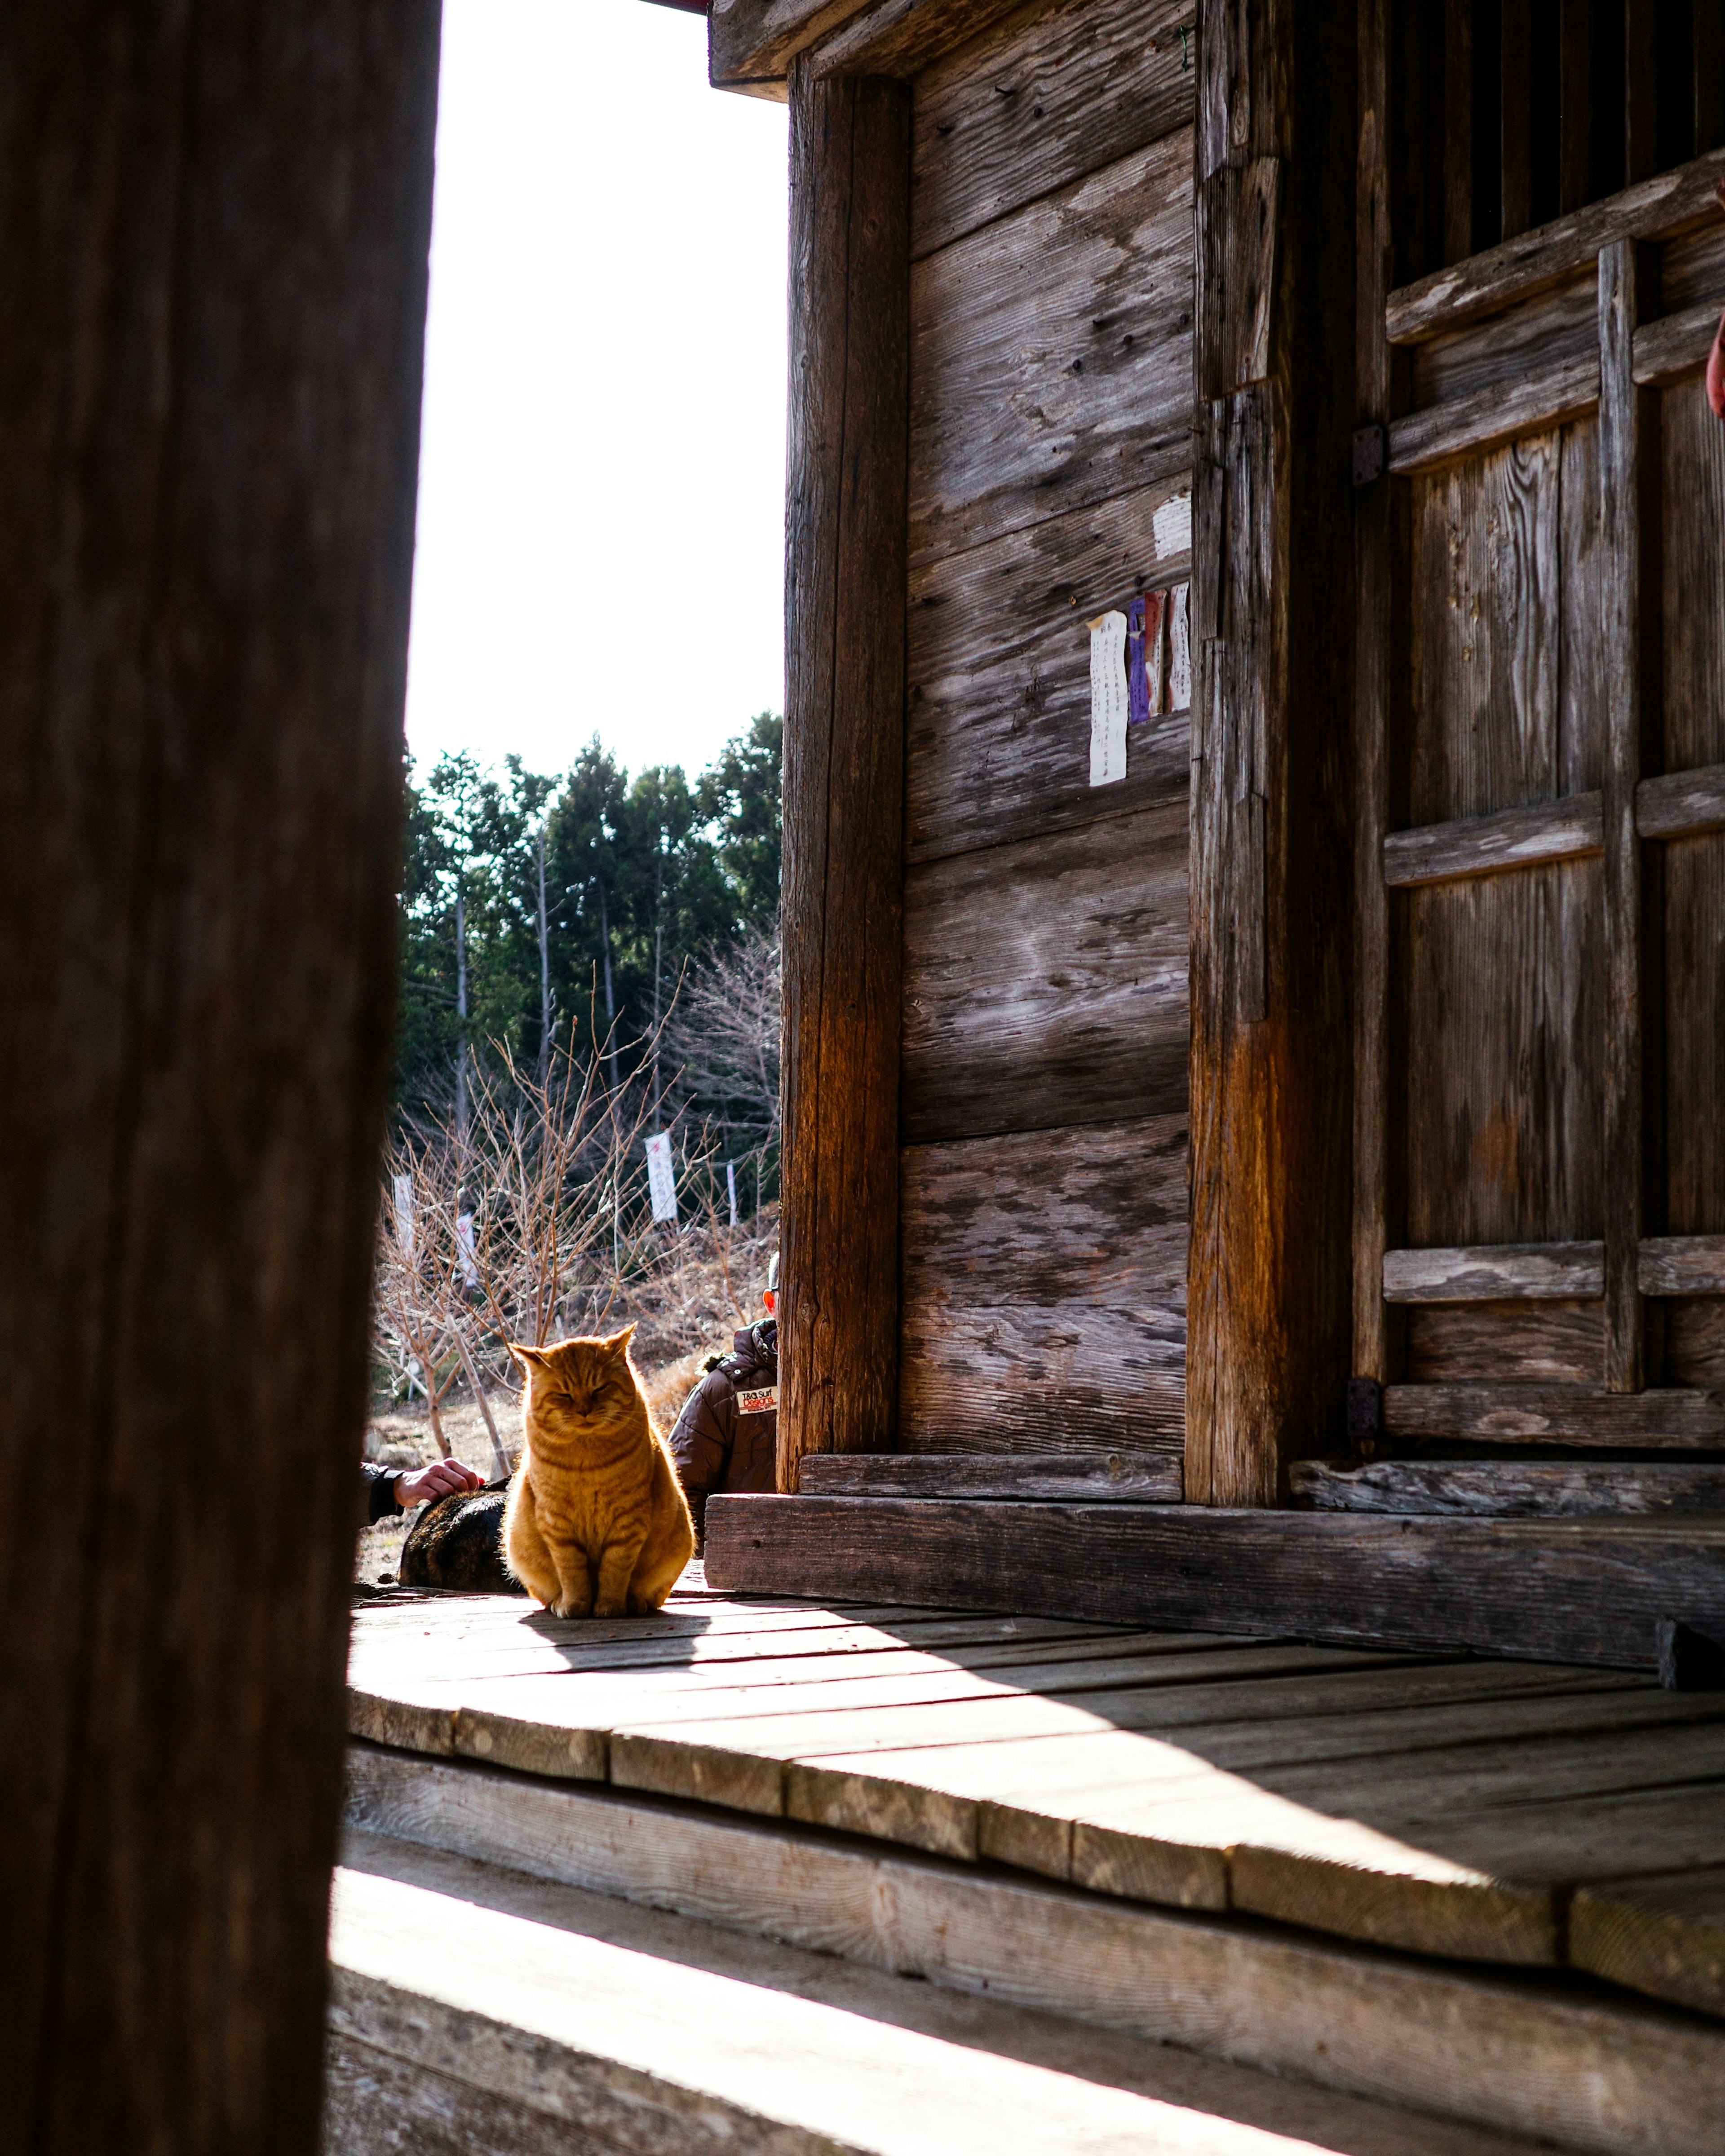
(1137, 692)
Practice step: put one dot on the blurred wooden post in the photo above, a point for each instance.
(214, 226)
(844, 763)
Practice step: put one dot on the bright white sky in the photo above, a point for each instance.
(602, 471)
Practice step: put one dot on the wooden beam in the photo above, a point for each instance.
(1269, 1269)
(1496, 1272)
(1374, 670)
(1567, 830)
(1675, 346)
(1658, 208)
(214, 227)
(1630, 521)
(1529, 1415)
(1681, 803)
(1108, 1478)
(846, 510)
(1444, 433)
(1510, 1489)
(1574, 1590)
(1682, 1264)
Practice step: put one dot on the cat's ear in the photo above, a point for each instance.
(526, 1356)
(619, 1342)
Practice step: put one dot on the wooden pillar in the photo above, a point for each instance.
(845, 517)
(1272, 579)
(213, 225)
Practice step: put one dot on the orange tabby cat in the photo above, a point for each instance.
(597, 1524)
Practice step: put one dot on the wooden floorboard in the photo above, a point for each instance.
(1437, 1804)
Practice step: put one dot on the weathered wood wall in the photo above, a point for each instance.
(1045, 999)
(214, 226)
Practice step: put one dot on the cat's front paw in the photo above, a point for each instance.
(569, 1608)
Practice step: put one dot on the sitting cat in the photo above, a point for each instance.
(597, 1523)
(458, 1542)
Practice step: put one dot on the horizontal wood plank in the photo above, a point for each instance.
(1504, 1489)
(1114, 1477)
(1051, 354)
(1670, 203)
(1485, 846)
(1580, 1590)
(1520, 1414)
(1533, 1343)
(1682, 1264)
(1680, 804)
(1045, 982)
(997, 739)
(903, 37)
(1496, 1272)
(1053, 94)
(1674, 345)
(1044, 1281)
(1533, 404)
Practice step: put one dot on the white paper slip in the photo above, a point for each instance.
(1172, 526)
(1109, 702)
(1180, 649)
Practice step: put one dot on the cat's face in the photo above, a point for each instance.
(579, 1387)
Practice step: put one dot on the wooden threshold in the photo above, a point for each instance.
(1496, 1272)
(1105, 1478)
(1587, 1591)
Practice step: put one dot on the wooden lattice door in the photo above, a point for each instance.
(1539, 1158)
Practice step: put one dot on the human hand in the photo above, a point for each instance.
(439, 1480)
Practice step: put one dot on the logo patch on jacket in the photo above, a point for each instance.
(757, 1400)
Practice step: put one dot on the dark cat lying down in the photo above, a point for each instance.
(458, 1542)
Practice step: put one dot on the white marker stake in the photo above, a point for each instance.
(1109, 702)
(661, 1177)
(463, 1239)
(731, 1186)
(404, 1215)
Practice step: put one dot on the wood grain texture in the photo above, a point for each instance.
(214, 227)
(1091, 1478)
(1539, 1342)
(754, 41)
(1681, 804)
(1269, 1332)
(1675, 346)
(1503, 1272)
(998, 738)
(844, 772)
(1581, 1591)
(1051, 355)
(1669, 203)
(1527, 404)
(1044, 1286)
(1694, 924)
(1044, 982)
(1559, 327)
(1683, 1264)
(903, 37)
(1506, 1489)
(1374, 664)
(1666, 1420)
(1503, 982)
(1629, 477)
(1048, 95)
(1570, 829)
(1695, 1341)
(1663, 1934)
(1166, 1998)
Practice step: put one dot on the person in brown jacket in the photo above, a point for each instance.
(726, 1437)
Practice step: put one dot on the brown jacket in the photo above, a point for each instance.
(726, 1437)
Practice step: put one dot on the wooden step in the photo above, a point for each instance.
(477, 2000)
(1438, 1805)
(1511, 1489)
